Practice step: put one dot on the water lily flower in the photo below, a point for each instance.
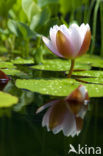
(66, 115)
(69, 42)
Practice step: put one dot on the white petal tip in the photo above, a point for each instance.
(83, 91)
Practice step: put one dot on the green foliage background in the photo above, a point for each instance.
(22, 22)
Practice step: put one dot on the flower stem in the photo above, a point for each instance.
(71, 68)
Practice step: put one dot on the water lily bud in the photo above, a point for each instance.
(69, 42)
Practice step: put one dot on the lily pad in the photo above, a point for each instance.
(22, 61)
(7, 100)
(8, 65)
(13, 72)
(3, 58)
(92, 80)
(58, 87)
(59, 65)
(93, 60)
(91, 73)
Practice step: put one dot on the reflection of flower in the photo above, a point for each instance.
(69, 43)
(67, 114)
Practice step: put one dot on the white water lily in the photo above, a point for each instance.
(69, 42)
(66, 115)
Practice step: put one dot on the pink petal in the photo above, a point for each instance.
(50, 46)
(80, 94)
(57, 129)
(69, 124)
(75, 37)
(40, 109)
(85, 44)
(79, 123)
(45, 120)
(63, 45)
(83, 29)
(53, 32)
(82, 112)
(57, 114)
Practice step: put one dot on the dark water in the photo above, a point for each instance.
(21, 132)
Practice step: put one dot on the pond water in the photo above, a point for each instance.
(21, 131)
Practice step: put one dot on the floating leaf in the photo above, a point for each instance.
(93, 60)
(91, 73)
(22, 61)
(13, 72)
(7, 100)
(59, 65)
(92, 80)
(58, 87)
(8, 65)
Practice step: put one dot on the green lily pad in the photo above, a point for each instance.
(59, 65)
(22, 61)
(92, 80)
(7, 100)
(91, 73)
(3, 58)
(58, 87)
(13, 72)
(93, 60)
(8, 65)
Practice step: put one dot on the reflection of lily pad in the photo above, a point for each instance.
(94, 60)
(22, 61)
(59, 65)
(7, 65)
(13, 72)
(7, 100)
(58, 87)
